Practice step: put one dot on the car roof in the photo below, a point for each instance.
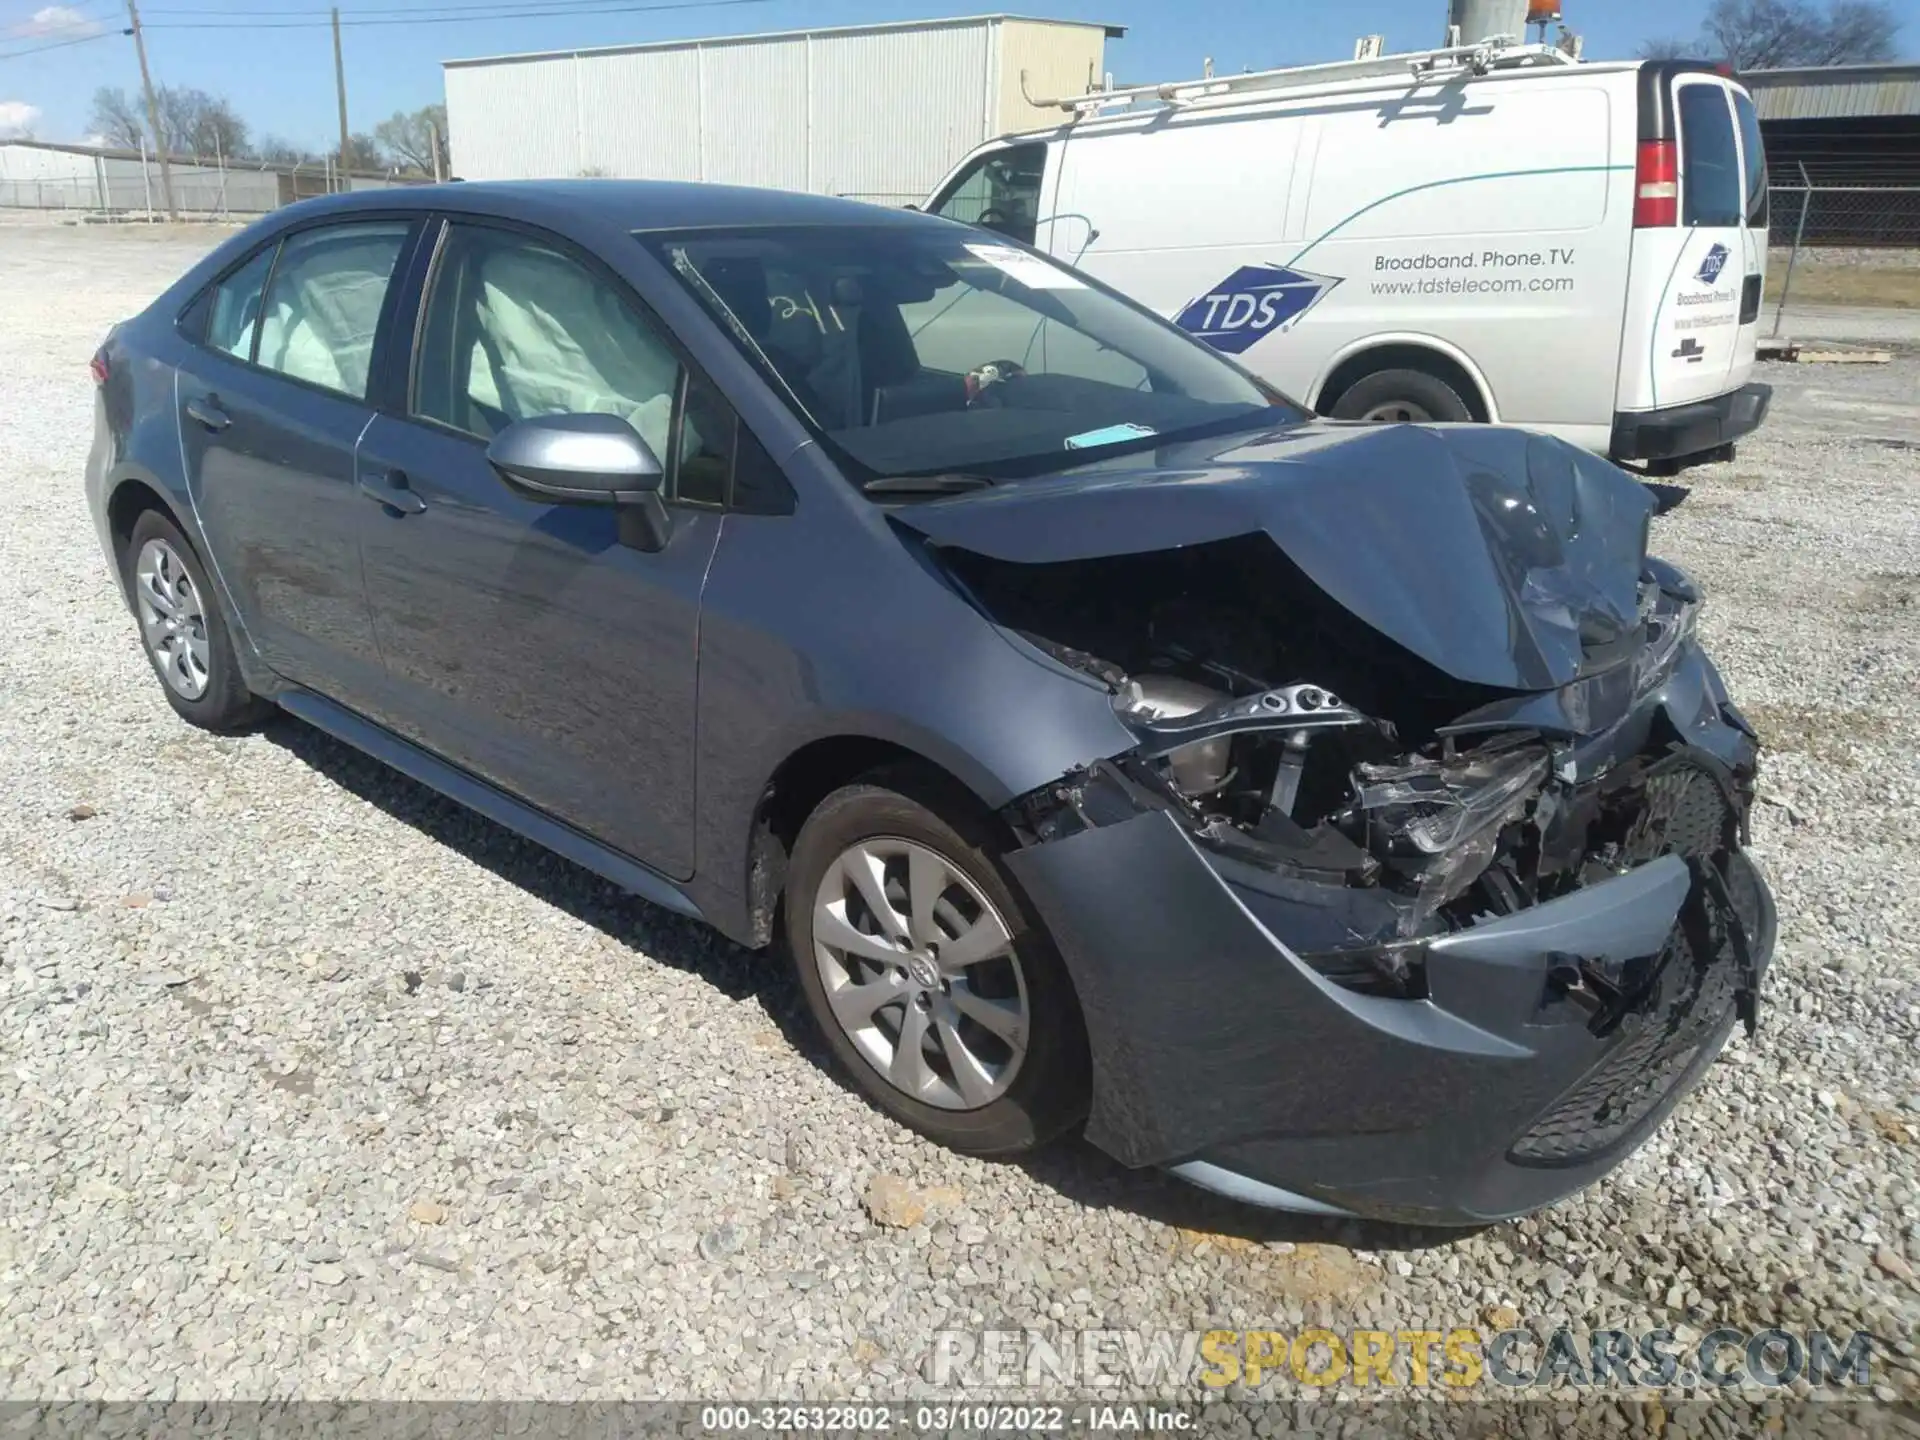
(626, 204)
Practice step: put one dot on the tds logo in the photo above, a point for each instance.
(1251, 304)
(1691, 351)
(1711, 267)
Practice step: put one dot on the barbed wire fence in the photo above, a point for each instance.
(126, 185)
(1873, 210)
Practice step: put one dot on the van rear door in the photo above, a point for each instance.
(1690, 248)
(1754, 230)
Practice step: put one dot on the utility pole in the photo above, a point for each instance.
(153, 111)
(340, 83)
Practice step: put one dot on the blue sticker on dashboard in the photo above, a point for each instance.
(1109, 435)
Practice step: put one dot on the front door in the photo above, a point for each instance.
(272, 404)
(524, 641)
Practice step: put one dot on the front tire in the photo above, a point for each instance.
(182, 630)
(934, 986)
(1402, 397)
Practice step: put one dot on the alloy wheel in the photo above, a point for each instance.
(920, 973)
(173, 621)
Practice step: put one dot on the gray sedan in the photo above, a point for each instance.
(1343, 817)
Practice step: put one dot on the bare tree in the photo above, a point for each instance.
(1776, 34)
(362, 154)
(276, 151)
(196, 123)
(117, 118)
(192, 122)
(1859, 32)
(409, 139)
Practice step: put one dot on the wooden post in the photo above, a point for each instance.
(153, 113)
(340, 84)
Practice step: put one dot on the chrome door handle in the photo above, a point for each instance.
(390, 489)
(208, 412)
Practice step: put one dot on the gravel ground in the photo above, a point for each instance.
(314, 1085)
(1870, 325)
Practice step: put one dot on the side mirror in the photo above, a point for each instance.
(586, 460)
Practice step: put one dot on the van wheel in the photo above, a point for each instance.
(1402, 397)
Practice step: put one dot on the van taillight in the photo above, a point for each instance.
(98, 366)
(1657, 186)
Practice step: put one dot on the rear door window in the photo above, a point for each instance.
(1710, 191)
(323, 304)
(233, 309)
(1754, 149)
(999, 191)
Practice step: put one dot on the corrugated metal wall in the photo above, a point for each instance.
(1879, 90)
(763, 143)
(892, 111)
(881, 112)
(517, 118)
(1058, 62)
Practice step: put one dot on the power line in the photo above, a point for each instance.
(435, 15)
(60, 45)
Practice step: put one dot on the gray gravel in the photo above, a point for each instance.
(312, 1084)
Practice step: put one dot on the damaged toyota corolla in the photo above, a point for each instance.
(1344, 818)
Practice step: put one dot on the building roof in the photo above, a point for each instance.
(1112, 32)
(1838, 92)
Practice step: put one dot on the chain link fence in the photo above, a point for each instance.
(1850, 218)
(129, 186)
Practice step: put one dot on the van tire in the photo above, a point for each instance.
(1389, 397)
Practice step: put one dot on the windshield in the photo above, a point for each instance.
(928, 350)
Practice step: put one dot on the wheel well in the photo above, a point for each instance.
(130, 501)
(804, 779)
(1356, 368)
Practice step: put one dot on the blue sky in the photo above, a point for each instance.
(281, 79)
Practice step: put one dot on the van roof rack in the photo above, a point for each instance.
(1498, 52)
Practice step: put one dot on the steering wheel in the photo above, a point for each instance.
(987, 384)
(992, 217)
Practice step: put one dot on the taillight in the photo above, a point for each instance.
(1656, 202)
(97, 366)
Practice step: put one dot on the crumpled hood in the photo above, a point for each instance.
(1500, 557)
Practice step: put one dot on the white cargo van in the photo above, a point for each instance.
(1497, 233)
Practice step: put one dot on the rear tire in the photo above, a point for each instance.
(995, 1062)
(183, 631)
(1402, 397)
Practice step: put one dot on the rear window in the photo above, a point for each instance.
(1710, 190)
(1755, 149)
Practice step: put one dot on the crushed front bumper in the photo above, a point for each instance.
(1219, 1053)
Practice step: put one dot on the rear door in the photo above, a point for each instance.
(272, 404)
(1689, 277)
(1754, 233)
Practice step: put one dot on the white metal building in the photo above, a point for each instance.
(879, 111)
